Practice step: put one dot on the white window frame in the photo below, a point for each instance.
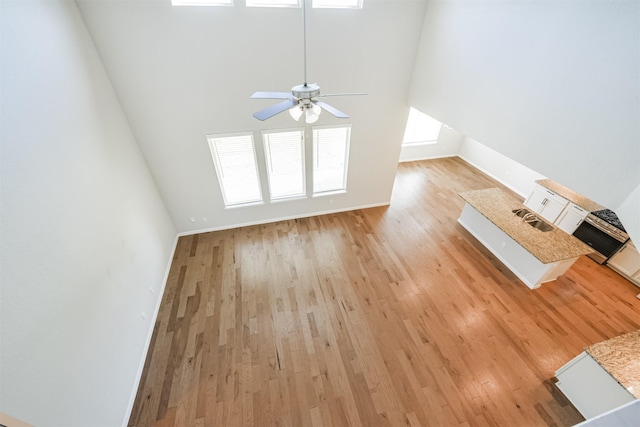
(345, 170)
(228, 201)
(416, 119)
(327, 4)
(266, 141)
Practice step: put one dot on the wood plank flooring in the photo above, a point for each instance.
(392, 316)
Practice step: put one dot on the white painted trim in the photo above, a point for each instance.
(285, 218)
(486, 172)
(156, 311)
(419, 159)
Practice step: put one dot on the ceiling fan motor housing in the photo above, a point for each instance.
(306, 91)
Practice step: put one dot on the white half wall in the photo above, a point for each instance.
(625, 416)
(86, 239)
(554, 85)
(514, 175)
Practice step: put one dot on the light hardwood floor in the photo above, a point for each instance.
(387, 316)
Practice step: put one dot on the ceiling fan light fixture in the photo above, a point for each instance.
(312, 114)
(296, 112)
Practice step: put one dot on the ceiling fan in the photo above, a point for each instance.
(303, 98)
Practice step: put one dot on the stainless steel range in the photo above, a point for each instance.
(603, 231)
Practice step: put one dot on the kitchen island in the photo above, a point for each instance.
(605, 376)
(533, 255)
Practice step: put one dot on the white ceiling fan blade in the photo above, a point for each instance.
(332, 110)
(271, 95)
(275, 109)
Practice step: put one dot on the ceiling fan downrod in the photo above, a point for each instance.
(304, 38)
(304, 98)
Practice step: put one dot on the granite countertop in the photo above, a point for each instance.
(620, 356)
(548, 247)
(575, 198)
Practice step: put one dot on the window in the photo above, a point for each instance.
(284, 157)
(273, 3)
(202, 2)
(421, 129)
(235, 162)
(342, 4)
(330, 158)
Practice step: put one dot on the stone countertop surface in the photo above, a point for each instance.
(575, 198)
(547, 247)
(620, 356)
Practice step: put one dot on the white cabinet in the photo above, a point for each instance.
(627, 262)
(546, 203)
(570, 218)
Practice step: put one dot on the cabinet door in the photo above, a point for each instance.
(546, 203)
(551, 195)
(626, 260)
(570, 218)
(552, 208)
(535, 201)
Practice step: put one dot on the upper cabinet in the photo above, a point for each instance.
(546, 203)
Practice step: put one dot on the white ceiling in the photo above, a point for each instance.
(184, 72)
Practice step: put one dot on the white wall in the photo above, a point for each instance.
(85, 235)
(553, 85)
(628, 214)
(182, 73)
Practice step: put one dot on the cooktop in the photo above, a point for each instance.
(610, 217)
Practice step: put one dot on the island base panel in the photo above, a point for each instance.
(529, 269)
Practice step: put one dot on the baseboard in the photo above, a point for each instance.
(132, 400)
(284, 218)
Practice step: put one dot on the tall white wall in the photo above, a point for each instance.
(184, 72)
(85, 238)
(554, 85)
